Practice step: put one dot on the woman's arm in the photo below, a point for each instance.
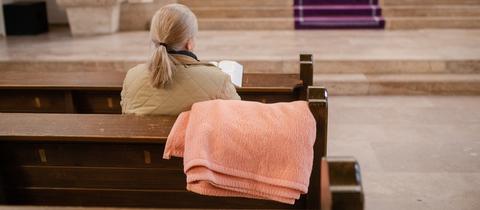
(228, 90)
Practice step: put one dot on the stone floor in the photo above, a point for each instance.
(256, 45)
(416, 152)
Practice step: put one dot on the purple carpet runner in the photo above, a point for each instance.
(338, 14)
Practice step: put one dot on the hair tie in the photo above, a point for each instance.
(162, 44)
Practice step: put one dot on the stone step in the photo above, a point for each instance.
(237, 3)
(399, 84)
(243, 12)
(429, 2)
(246, 23)
(398, 23)
(431, 11)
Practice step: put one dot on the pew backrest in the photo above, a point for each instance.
(99, 92)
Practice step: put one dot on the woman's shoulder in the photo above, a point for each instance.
(138, 69)
(136, 73)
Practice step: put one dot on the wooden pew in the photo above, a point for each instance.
(99, 92)
(333, 192)
(116, 160)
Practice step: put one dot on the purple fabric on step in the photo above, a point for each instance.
(336, 2)
(338, 14)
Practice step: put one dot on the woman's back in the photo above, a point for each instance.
(173, 79)
(193, 82)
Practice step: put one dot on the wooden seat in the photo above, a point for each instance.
(99, 92)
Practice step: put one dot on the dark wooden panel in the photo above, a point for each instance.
(318, 107)
(270, 97)
(345, 173)
(99, 92)
(95, 177)
(347, 199)
(345, 183)
(2, 188)
(97, 102)
(75, 127)
(137, 198)
(21, 207)
(86, 154)
(108, 102)
(32, 101)
(306, 74)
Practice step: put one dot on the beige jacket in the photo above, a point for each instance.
(193, 82)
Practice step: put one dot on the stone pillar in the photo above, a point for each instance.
(91, 17)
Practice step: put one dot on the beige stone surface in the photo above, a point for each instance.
(441, 14)
(86, 3)
(92, 17)
(243, 12)
(136, 16)
(402, 23)
(243, 15)
(429, 2)
(395, 51)
(420, 152)
(400, 84)
(236, 3)
(432, 11)
(85, 21)
(439, 62)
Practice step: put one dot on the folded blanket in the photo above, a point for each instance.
(245, 149)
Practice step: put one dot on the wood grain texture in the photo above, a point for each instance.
(74, 127)
(108, 81)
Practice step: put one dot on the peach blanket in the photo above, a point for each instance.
(245, 149)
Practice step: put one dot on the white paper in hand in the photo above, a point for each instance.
(232, 68)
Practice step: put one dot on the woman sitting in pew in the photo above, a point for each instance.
(173, 79)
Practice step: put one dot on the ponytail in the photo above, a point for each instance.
(161, 67)
(171, 28)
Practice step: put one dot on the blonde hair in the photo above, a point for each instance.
(172, 26)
